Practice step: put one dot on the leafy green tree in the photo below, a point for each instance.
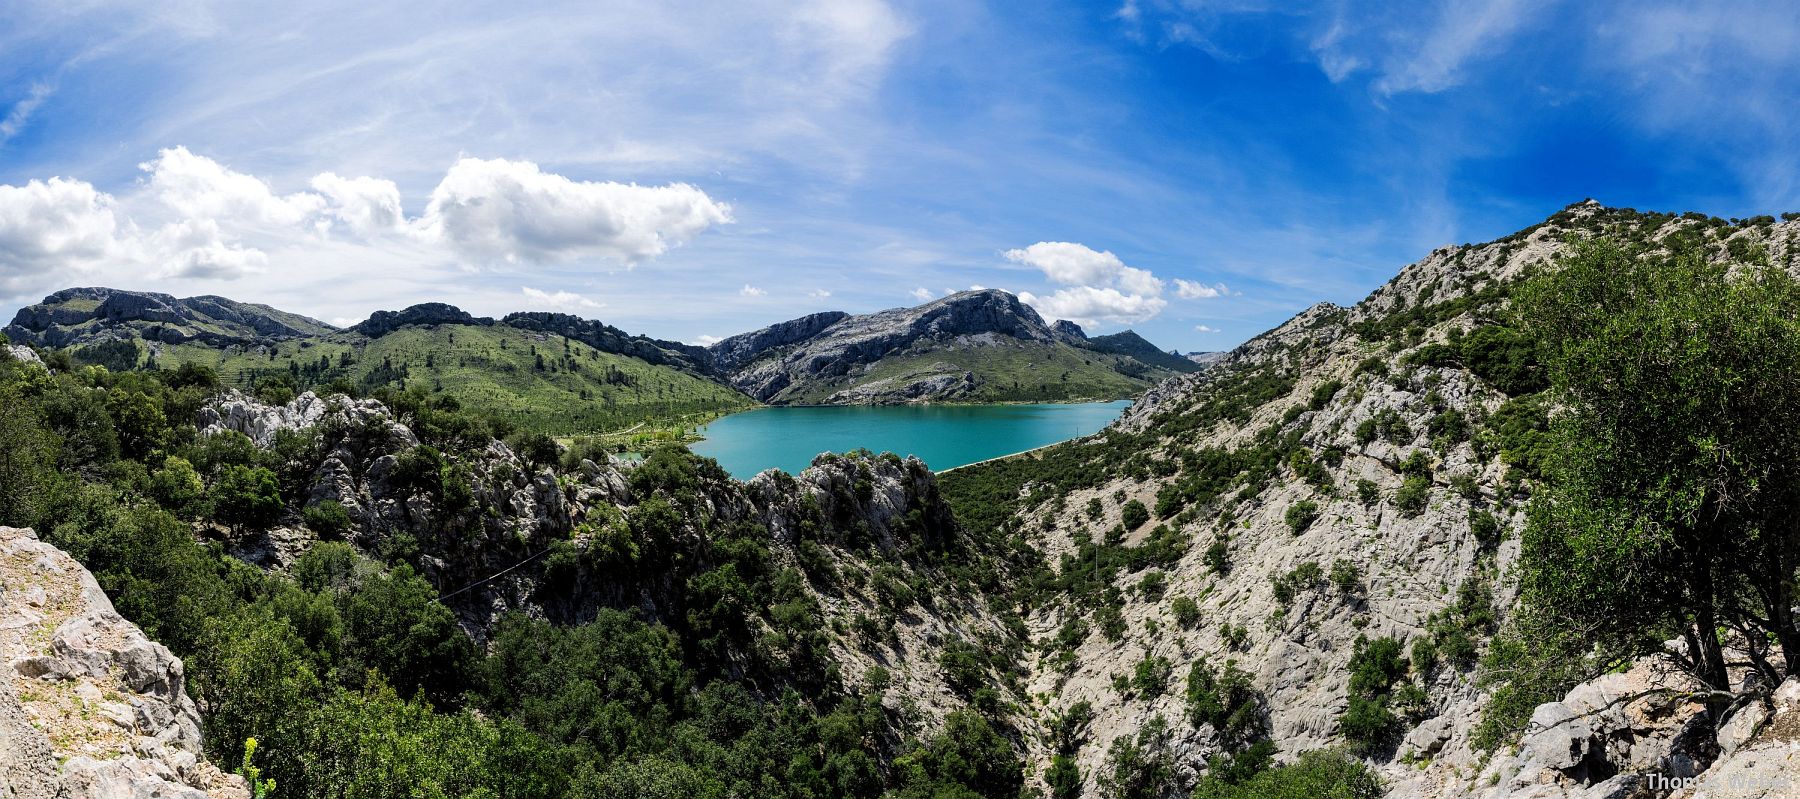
(1315, 775)
(1674, 481)
(968, 759)
(247, 496)
(395, 625)
(142, 427)
(26, 452)
(1133, 514)
(177, 486)
(327, 518)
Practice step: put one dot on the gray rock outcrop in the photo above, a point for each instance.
(89, 707)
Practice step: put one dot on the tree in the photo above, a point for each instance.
(140, 422)
(177, 486)
(26, 450)
(1673, 504)
(247, 496)
(1133, 514)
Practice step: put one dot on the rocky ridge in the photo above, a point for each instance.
(89, 707)
(84, 316)
(1345, 387)
(1128, 342)
(833, 357)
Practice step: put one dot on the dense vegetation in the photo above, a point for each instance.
(357, 681)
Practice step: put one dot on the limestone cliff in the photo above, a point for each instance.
(1350, 474)
(89, 707)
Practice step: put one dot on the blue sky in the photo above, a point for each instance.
(1198, 171)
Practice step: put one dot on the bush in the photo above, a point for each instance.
(1301, 515)
(1151, 676)
(1413, 497)
(1218, 556)
(1375, 665)
(1319, 774)
(327, 518)
(1186, 610)
(1368, 493)
(1225, 699)
(1346, 577)
(177, 486)
(247, 496)
(1133, 514)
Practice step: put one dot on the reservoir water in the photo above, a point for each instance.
(944, 436)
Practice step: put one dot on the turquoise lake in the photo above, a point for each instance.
(944, 436)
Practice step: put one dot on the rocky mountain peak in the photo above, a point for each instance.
(80, 316)
(382, 323)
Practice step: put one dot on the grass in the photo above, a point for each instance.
(1007, 372)
(539, 381)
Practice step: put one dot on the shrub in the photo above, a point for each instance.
(1301, 515)
(1152, 585)
(1413, 497)
(1375, 666)
(1323, 393)
(1133, 514)
(1151, 676)
(1367, 492)
(247, 496)
(1346, 577)
(327, 518)
(1186, 610)
(1218, 556)
(1226, 700)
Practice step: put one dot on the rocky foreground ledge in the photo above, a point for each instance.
(89, 707)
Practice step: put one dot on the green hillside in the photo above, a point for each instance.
(1022, 372)
(538, 381)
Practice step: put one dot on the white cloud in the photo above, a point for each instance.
(194, 218)
(1068, 263)
(495, 208)
(566, 301)
(365, 206)
(751, 291)
(198, 248)
(1465, 31)
(195, 186)
(706, 341)
(1100, 286)
(1088, 305)
(922, 294)
(1191, 290)
(818, 294)
(49, 229)
(1205, 329)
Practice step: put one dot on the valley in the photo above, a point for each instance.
(1321, 566)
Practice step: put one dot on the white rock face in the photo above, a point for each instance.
(240, 413)
(84, 688)
(20, 352)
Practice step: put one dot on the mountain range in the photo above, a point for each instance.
(1293, 573)
(564, 373)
